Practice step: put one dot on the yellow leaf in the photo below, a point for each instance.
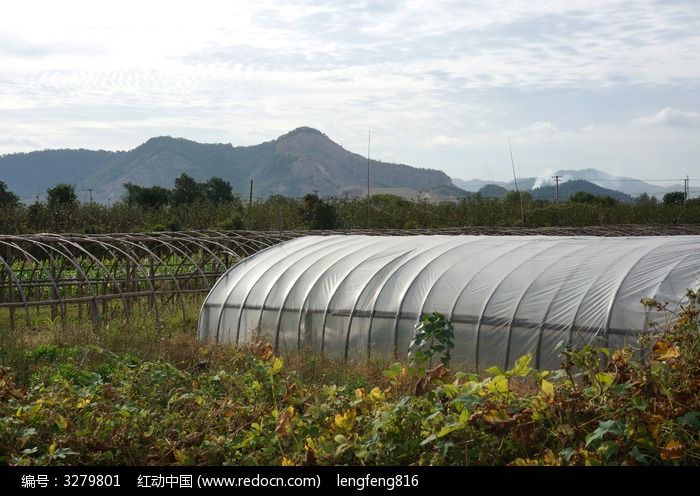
(550, 459)
(359, 393)
(199, 400)
(181, 457)
(82, 403)
(376, 394)
(498, 384)
(276, 365)
(309, 443)
(522, 366)
(663, 350)
(548, 389)
(605, 378)
(674, 450)
(345, 420)
(284, 422)
(287, 462)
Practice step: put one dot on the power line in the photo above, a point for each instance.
(632, 180)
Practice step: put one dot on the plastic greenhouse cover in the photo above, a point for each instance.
(360, 296)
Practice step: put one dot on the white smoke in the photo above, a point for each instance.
(544, 179)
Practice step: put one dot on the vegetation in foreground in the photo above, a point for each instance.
(164, 399)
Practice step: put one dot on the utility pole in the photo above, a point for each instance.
(250, 198)
(686, 189)
(556, 179)
(369, 137)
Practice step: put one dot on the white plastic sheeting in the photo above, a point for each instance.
(360, 296)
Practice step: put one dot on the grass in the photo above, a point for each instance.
(138, 393)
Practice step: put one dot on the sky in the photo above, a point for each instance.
(613, 85)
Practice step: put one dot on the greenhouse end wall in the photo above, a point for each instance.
(352, 296)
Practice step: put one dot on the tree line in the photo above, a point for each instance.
(193, 205)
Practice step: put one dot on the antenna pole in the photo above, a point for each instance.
(369, 137)
(515, 179)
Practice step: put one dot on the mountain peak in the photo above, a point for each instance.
(301, 130)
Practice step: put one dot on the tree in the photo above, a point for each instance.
(317, 213)
(216, 190)
(645, 199)
(151, 198)
(674, 198)
(582, 197)
(187, 190)
(61, 195)
(515, 196)
(7, 198)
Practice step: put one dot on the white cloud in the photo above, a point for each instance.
(669, 117)
(441, 140)
(537, 132)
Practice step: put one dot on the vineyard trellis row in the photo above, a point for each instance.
(70, 276)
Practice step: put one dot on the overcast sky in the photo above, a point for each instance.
(608, 84)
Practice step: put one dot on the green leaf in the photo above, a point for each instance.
(604, 428)
(639, 403)
(30, 431)
(605, 378)
(495, 371)
(639, 456)
(691, 419)
(450, 428)
(429, 439)
(522, 366)
(393, 371)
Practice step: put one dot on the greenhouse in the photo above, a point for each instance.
(353, 296)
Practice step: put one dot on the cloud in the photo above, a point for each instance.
(442, 140)
(536, 132)
(669, 117)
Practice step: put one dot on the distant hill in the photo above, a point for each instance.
(623, 184)
(299, 162)
(568, 188)
(626, 185)
(29, 174)
(474, 185)
(493, 191)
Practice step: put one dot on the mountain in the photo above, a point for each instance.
(299, 162)
(626, 185)
(568, 188)
(474, 185)
(30, 174)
